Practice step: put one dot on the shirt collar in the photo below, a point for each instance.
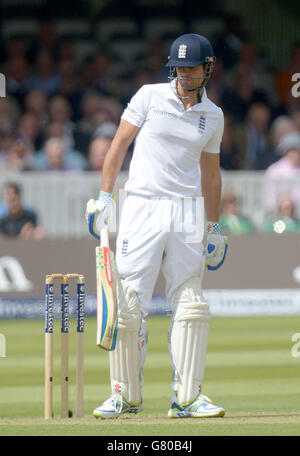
(197, 107)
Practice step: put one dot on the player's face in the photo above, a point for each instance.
(189, 78)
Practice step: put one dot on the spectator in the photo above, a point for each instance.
(230, 156)
(289, 164)
(16, 48)
(228, 43)
(19, 157)
(231, 220)
(98, 118)
(97, 151)
(69, 88)
(9, 110)
(96, 75)
(106, 130)
(67, 53)
(46, 36)
(56, 157)
(45, 39)
(36, 104)
(101, 141)
(215, 87)
(60, 111)
(45, 77)
(102, 66)
(88, 79)
(7, 124)
(285, 216)
(7, 139)
(94, 113)
(287, 167)
(280, 127)
(253, 138)
(260, 75)
(29, 130)
(238, 98)
(17, 75)
(18, 222)
(155, 58)
(113, 108)
(59, 130)
(142, 77)
(91, 104)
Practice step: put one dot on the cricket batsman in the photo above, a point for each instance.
(175, 164)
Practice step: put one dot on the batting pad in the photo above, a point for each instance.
(126, 359)
(188, 339)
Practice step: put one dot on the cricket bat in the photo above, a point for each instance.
(107, 311)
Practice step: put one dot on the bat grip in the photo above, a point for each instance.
(104, 238)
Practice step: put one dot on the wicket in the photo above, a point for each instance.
(49, 323)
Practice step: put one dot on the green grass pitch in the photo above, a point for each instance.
(250, 371)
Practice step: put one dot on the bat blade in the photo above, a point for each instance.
(107, 312)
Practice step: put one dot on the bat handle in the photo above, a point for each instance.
(104, 238)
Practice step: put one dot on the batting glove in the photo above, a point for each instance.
(99, 213)
(217, 246)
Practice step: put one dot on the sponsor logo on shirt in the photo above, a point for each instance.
(163, 113)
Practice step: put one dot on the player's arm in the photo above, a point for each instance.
(211, 184)
(98, 212)
(116, 154)
(211, 189)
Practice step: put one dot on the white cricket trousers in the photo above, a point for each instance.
(160, 234)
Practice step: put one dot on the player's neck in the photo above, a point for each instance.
(188, 103)
(188, 98)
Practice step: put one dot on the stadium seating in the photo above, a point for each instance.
(111, 29)
(19, 28)
(72, 28)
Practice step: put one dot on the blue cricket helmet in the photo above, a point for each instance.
(191, 50)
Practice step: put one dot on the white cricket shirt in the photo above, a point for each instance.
(169, 143)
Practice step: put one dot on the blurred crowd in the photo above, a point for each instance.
(56, 107)
(282, 220)
(61, 114)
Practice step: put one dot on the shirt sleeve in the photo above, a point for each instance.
(136, 112)
(213, 145)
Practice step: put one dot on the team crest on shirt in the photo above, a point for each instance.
(202, 123)
(125, 247)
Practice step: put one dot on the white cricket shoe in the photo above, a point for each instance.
(201, 407)
(114, 406)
